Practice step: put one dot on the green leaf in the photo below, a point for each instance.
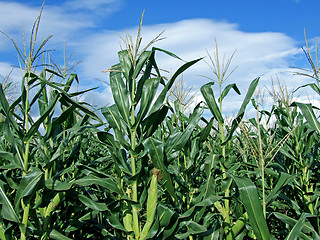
(107, 183)
(80, 105)
(57, 185)
(312, 85)
(205, 132)
(193, 228)
(208, 95)
(178, 139)
(71, 78)
(150, 124)
(209, 201)
(242, 109)
(115, 223)
(144, 57)
(8, 211)
(59, 120)
(165, 214)
(309, 115)
(125, 64)
(283, 180)
(58, 236)
(227, 89)
(34, 128)
(6, 110)
(148, 92)
(28, 185)
(296, 230)
(155, 150)
(306, 228)
(9, 157)
(158, 103)
(252, 204)
(113, 118)
(120, 95)
(93, 204)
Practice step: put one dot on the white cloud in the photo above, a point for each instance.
(257, 53)
(96, 6)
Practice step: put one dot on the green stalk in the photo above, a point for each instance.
(26, 208)
(261, 165)
(227, 191)
(135, 217)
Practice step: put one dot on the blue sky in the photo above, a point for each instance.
(267, 36)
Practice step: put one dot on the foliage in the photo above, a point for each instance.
(148, 170)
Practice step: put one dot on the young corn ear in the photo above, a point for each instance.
(151, 203)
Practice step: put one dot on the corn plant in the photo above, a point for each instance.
(153, 170)
(134, 118)
(35, 151)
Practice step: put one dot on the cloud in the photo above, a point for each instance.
(95, 6)
(257, 53)
(263, 54)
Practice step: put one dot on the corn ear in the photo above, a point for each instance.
(151, 203)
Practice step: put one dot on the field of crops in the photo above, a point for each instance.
(144, 168)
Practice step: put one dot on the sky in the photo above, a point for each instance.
(266, 36)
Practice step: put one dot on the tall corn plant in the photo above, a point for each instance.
(33, 151)
(222, 147)
(299, 154)
(139, 93)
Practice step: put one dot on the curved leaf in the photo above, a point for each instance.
(8, 211)
(252, 204)
(120, 94)
(167, 87)
(155, 150)
(242, 109)
(227, 89)
(309, 115)
(58, 236)
(28, 184)
(99, 206)
(208, 95)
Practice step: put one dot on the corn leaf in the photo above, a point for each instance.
(252, 204)
(309, 115)
(8, 211)
(29, 184)
(159, 101)
(148, 92)
(208, 95)
(306, 227)
(58, 236)
(227, 89)
(99, 206)
(120, 95)
(242, 109)
(155, 149)
(178, 139)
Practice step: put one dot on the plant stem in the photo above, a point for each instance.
(26, 209)
(135, 217)
(261, 165)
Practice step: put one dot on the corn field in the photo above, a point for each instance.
(144, 168)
